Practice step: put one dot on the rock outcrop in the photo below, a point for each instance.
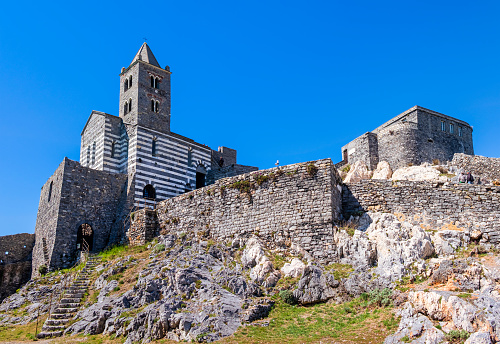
(383, 171)
(358, 171)
(418, 173)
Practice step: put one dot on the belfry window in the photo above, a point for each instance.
(130, 105)
(88, 156)
(155, 105)
(113, 144)
(155, 82)
(125, 108)
(443, 126)
(149, 192)
(125, 85)
(130, 81)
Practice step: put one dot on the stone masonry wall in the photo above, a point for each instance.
(438, 206)
(286, 206)
(15, 264)
(227, 171)
(83, 195)
(487, 169)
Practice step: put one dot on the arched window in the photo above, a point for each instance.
(125, 108)
(130, 81)
(130, 105)
(113, 148)
(153, 147)
(155, 105)
(125, 85)
(149, 192)
(50, 191)
(152, 81)
(93, 153)
(157, 83)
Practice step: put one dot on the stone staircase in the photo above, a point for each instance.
(69, 304)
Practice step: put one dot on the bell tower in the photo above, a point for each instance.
(145, 92)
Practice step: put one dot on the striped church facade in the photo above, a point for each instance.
(128, 161)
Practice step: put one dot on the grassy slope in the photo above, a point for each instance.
(352, 322)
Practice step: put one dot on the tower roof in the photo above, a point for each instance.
(145, 54)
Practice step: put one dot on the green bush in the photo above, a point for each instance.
(159, 248)
(42, 269)
(457, 336)
(312, 169)
(382, 298)
(287, 297)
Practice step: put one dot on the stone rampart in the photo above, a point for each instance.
(293, 205)
(15, 262)
(435, 205)
(227, 171)
(487, 169)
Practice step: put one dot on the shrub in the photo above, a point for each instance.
(410, 164)
(455, 335)
(159, 248)
(382, 298)
(261, 179)
(242, 185)
(287, 297)
(312, 169)
(42, 269)
(435, 161)
(346, 168)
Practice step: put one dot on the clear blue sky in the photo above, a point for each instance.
(287, 80)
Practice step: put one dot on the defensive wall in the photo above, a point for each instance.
(15, 262)
(434, 205)
(289, 206)
(487, 169)
(75, 195)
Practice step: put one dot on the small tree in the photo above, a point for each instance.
(42, 269)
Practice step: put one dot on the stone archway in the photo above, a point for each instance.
(84, 237)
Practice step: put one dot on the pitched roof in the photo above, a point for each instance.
(145, 54)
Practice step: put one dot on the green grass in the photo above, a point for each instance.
(353, 321)
(340, 270)
(120, 251)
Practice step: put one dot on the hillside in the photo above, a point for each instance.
(395, 282)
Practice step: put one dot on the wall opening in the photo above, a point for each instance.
(149, 192)
(85, 237)
(344, 155)
(50, 191)
(200, 176)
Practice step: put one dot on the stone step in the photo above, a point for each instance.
(44, 334)
(73, 295)
(59, 316)
(66, 310)
(69, 305)
(51, 328)
(70, 300)
(56, 322)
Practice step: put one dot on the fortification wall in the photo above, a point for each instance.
(437, 206)
(285, 206)
(84, 196)
(398, 144)
(487, 169)
(15, 264)
(363, 148)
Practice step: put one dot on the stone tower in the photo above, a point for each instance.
(145, 92)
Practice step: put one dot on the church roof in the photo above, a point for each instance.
(145, 54)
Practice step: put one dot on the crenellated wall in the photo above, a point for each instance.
(290, 205)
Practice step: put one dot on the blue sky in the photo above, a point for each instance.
(287, 80)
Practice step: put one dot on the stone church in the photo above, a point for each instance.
(126, 163)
